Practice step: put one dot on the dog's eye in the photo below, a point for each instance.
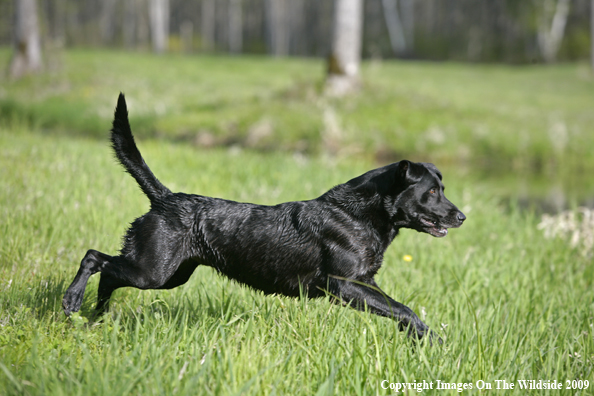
(432, 191)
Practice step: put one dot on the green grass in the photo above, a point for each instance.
(516, 118)
(509, 303)
(495, 289)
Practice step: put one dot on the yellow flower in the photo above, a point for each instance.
(407, 258)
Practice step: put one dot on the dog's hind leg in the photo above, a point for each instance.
(107, 285)
(120, 271)
(92, 263)
(116, 272)
(110, 281)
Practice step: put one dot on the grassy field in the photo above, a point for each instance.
(515, 118)
(510, 304)
(532, 298)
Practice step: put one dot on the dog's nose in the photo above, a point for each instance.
(461, 217)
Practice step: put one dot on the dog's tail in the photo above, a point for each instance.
(127, 153)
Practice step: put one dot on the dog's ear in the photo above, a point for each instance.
(409, 172)
(433, 169)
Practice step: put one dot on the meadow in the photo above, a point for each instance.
(509, 303)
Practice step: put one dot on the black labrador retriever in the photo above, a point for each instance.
(332, 244)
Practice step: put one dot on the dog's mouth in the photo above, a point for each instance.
(433, 228)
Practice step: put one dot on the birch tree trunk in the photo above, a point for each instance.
(551, 34)
(407, 8)
(345, 55)
(159, 19)
(394, 25)
(26, 58)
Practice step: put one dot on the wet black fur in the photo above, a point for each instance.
(334, 243)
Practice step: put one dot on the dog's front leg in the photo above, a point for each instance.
(369, 294)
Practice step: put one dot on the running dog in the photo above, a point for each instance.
(332, 244)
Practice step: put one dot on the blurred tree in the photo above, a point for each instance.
(278, 19)
(235, 26)
(550, 33)
(513, 31)
(159, 17)
(208, 14)
(129, 25)
(107, 21)
(186, 35)
(345, 54)
(394, 25)
(26, 58)
(592, 33)
(407, 8)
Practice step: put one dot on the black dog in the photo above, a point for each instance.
(332, 244)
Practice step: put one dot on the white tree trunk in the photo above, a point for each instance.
(407, 8)
(235, 26)
(27, 45)
(159, 16)
(551, 34)
(394, 25)
(345, 56)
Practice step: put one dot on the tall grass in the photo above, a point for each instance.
(496, 290)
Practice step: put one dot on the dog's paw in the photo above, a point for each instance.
(68, 307)
(71, 302)
(421, 332)
(432, 336)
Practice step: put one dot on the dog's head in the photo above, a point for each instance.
(413, 196)
(423, 201)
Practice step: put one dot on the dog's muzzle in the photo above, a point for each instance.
(438, 229)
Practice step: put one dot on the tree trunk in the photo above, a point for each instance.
(235, 27)
(159, 17)
(186, 35)
(407, 8)
(27, 44)
(56, 22)
(394, 25)
(345, 55)
(129, 24)
(278, 27)
(297, 34)
(549, 38)
(106, 21)
(592, 33)
(208, 17)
